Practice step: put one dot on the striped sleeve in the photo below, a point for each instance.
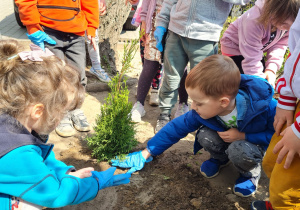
(296, 125)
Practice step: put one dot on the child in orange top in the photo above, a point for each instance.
(61, 26)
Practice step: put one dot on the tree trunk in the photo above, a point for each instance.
(109, 32)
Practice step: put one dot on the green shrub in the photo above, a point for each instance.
(114, 130)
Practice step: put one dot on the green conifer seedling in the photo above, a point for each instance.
(114, 131)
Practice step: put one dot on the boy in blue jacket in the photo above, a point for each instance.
(234, 114)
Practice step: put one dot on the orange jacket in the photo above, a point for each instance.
(70, 16)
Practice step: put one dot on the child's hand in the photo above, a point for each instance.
(92, 41)
(271, 77)
(282, 116)
(102, 8)
(83, 173)
(135, 161)
(231, 135)
(289, 146)
(158, 35)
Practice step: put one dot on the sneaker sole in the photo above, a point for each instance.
(216, 174)
(82, 129)
(105, 81)
(64, 134)
(153, 103)
(241, 195)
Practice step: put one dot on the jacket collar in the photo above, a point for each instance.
(13, 135)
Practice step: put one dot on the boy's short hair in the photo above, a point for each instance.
(215, 76)
(279, 11)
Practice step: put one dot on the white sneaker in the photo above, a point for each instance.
(153, 98)
(100, 74)
(181, 109)
(137, 112)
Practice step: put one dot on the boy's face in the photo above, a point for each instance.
(207, 107)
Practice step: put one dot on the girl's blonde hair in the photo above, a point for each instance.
(215, 76)
(48, 82)
(278, 11)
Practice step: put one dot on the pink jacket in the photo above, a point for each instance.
(247, 37)
(288, 86)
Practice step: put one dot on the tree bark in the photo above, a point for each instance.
(110, 29)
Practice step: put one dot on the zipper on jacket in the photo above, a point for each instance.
(58, 7)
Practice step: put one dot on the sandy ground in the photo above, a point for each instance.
(171, 181)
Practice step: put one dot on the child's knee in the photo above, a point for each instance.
(244, 154)
(209, 138)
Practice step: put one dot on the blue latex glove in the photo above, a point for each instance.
(108, 179)
(134, 160)
(39, 37)
(158, 35)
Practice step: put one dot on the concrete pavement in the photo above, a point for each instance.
(8, 24)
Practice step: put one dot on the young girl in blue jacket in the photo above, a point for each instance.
(234, 115)
(36, 90)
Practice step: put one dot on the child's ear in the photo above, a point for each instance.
(37, 111)
(224, 101)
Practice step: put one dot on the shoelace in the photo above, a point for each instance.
(103, 72)
(81, 117)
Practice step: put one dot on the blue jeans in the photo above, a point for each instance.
(71, 48)
(245, 156)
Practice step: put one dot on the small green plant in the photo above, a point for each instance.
(114, 130)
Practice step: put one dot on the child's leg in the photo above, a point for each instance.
(75, 54)
(212, 142)
(95, 53)
(183, 96)
(182, 107)
(238, 61)
(175, 61)
(197, 50)
(69, 47)
(58, 37)
(246, 157)
(157, 78)
(284, 184)
(146, 77)
(142, 49)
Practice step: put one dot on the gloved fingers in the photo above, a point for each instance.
(122, 164)
(41, 45)
(132, 170)
(120, 177)
(50, 40)
(149, 159)
(159, 46)
(123, 181)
